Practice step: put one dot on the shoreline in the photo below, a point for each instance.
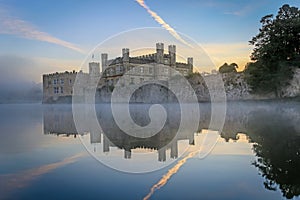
(271, 100)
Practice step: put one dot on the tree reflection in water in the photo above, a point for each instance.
(277, 148)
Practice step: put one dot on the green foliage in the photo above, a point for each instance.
(225, 68)
(276, 51)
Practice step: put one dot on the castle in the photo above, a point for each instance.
(134, 70)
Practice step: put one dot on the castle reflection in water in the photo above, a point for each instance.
(272, 128)
(58, 120)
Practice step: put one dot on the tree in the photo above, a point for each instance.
(225, 68)
(276, 51)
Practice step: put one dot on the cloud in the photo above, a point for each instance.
(245, 9)
(159, 20)
(241, 12)
(14, 26)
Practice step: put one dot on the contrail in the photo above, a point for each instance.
(14, 26)
(158, 19)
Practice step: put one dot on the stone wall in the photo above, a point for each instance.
(58, 87)
(233, 84)
(236, 87)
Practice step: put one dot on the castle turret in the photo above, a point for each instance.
(190, 63)
(174, 149)
(95, 136)
(94, 69)
(191, 139)
(172, 54)
(162, 154)
(104, 61)
(127, 153)
(125, 54)
(105, 144)
(160, 53)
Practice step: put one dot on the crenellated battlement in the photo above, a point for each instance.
(60, 84)
(62, 73)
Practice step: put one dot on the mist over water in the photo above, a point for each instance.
(20, 80)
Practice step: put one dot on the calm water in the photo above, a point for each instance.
(43, 155)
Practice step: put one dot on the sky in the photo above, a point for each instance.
(38, 37)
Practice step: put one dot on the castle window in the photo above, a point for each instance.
(61, 81)
(61, 90)
(142, 70)
(150, 70)
(54, 81)
(70, 81)
(55, 89)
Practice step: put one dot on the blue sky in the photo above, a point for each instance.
(223, 28)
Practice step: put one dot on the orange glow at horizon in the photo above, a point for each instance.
(220, 53)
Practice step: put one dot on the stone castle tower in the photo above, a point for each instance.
(142, 69)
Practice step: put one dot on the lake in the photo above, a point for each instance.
(44, 154)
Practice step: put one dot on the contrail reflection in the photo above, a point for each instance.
(10, 182)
